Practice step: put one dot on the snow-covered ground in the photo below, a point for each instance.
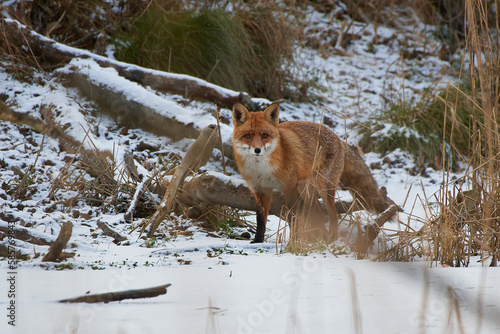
(219, 284)
(265, 293)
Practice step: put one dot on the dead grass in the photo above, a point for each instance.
(466, 221)
(470, 220)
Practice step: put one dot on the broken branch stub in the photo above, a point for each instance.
(373, 230)
(57, 246)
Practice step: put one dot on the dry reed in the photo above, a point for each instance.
(467, 220)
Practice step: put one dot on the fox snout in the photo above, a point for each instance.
(261, 150)
(255, 150)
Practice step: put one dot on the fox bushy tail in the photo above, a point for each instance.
(357, 178)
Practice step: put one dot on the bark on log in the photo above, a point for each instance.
(373, 230)
(120, 295)
(58, 245)
(9, 251)
(133, 113)
(9, 115)
(65, 255)
(209, 189)
(54, 54)
(365, 240)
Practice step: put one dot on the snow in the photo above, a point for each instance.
(265, 293)
(108, 77)
(219, 284)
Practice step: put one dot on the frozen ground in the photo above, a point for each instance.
(223, 285)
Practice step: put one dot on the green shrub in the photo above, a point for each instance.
(244, 51)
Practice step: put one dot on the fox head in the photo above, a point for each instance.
(255, 133)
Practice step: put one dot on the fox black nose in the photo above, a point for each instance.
(257, 150)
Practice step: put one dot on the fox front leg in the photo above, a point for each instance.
(263, 201)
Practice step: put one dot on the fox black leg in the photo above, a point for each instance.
(261, 228)
(263, 202)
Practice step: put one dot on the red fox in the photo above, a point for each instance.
(272, 155)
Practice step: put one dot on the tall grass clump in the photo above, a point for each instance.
(244, 50)
(468, 222)
(483, 43)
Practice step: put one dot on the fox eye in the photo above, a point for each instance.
(265, 135)
(248, 136)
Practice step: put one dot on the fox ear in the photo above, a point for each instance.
(240, 114)
(272, 114)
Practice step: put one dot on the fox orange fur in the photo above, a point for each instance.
(272, 155)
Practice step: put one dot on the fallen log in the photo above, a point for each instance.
(215, 189)
(53, 54)
(134, 106)
(56, 248)
(122, 105)
(26, 234)
(120, 295)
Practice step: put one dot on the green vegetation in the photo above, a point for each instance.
(244, 50)
(420, 127)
